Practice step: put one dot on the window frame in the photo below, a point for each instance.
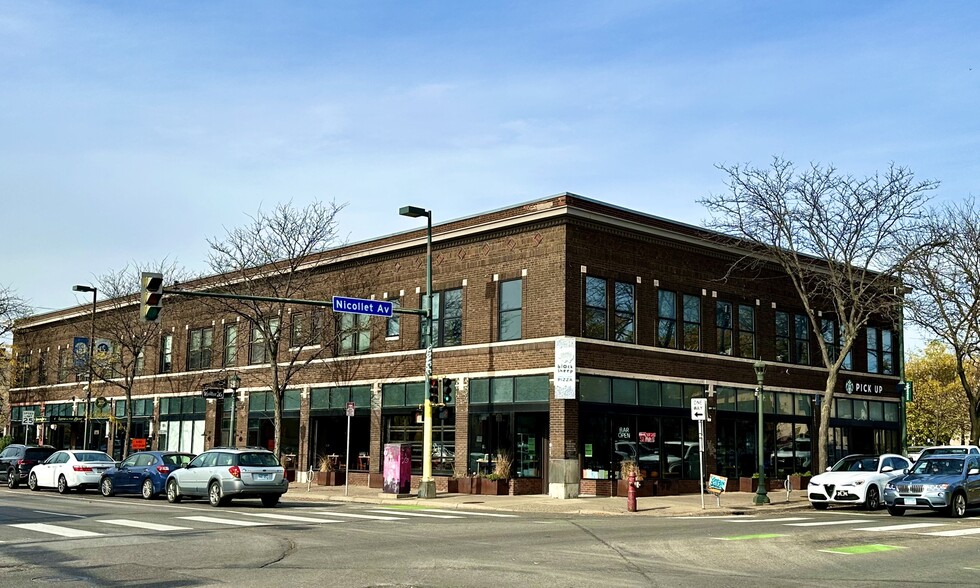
(507, 313)
(166, 364)
(229, 345)
(353, 338)
(199, 358)
(440, 318)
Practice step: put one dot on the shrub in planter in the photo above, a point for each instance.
(326, 474)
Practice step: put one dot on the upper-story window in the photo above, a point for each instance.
(199, 348)
(725, 331)
(297, 329)
(792, 338)
(746, 331)
(140, 363)
(166, 354)
(42, 367)
(598, 311)
(510, 313)
(735, 337)
(62, 365)
(667, 318)
(832, 336)
(667, 313)
(447, 318)
(881, 351)
(354, 332)
(258, 352)
(393, 327)
(24, 370)
(692, 322)
(230, 357)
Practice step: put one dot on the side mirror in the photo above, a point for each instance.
(905, 471)
(829, 468)
(186, 466)
(973, 471)
(887, 469)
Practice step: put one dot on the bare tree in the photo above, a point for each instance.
(945, 300)
(273, 257)
(838, 238)
(118, 321)
(12, 307)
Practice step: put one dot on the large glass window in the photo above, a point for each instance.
(667, 319)
(199, 348)
(595, 308)
(511, 310)
(355, 333)
(597, 312)
(447, 319)
(166, 354)
(832, 335)
(231, 346)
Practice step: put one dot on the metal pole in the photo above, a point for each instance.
(901, 370)
(760, 494)
(427, 487)
(88, 392)
(347, 457)
(701, 458)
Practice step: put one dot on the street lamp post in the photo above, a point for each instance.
(761, 497)
(427, 487)
(234, 382)
(91, 347)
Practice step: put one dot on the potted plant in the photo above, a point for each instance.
(327, 474)
(457, 482)
(498, 482)
(800, 481)
(645, 487)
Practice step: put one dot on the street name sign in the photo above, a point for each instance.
(699, 409)
(362, 306)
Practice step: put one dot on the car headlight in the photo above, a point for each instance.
(890, 486)
(854, 483)
(935, 487)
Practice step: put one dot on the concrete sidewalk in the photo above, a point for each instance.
(734, 503)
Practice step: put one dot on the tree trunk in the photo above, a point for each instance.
(277, 439)
(823, 434)
(971, 401)
(129, 425)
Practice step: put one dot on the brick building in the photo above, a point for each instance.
(640, 306)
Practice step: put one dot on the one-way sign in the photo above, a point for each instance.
(699, 409)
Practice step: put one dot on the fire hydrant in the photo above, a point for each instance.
(631, 492)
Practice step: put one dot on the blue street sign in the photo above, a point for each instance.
(361, 306)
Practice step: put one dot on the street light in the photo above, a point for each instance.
(234, 381)
(427, 487)
(760, 494)
(91, 346)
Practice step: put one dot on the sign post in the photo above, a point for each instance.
(350, 413)
(699, 413)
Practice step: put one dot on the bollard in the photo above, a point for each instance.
(631, 493)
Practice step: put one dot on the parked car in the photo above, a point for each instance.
(143, 473)
(949, 483)
(224, 473)
(17, 460)
(856, 479)
(949, 450)
(913, 453)
(70, 469)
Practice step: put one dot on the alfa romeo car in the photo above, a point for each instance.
(947, 483)
(856, 480)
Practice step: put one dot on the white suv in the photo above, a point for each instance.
(225, 473)
(949, 450)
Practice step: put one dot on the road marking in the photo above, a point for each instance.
(56, 530)
(902, 527)
(743, 537)
(770, 520)
(143, 525)
(415, 514)
(360, 516)
(955, 533)
(861, 549)
(218, 521)
(59, 514)
(823, 523)
(291, 518)
(470, 512)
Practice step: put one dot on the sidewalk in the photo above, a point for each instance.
(734, 503)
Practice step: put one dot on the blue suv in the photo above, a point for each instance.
(143, 473)
(948, 483)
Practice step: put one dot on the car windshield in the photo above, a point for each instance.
(257, 459)
(92, 456)
(856, 464)
(177, 459)
(942, 467)
(943, 450)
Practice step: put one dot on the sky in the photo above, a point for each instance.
(134, 131)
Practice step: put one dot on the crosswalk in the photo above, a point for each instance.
(865, 525)
(96, 527)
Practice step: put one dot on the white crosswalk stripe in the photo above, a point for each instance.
(828, 523)
(232, 522)
(361, 516)
(414, 513)
(956, 533)
(56, 530)
(782, 520)
(143, 525)
(471, 513)
(904, 527)
(288, 518)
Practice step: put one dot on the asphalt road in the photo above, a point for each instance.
(88, 540)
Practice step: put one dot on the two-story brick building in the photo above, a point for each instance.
(639, 305)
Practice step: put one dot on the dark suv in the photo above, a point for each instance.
(16, 462)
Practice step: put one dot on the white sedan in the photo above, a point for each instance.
(856, 479)
(70, 469)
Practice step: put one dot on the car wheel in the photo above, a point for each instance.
(173, 492)
(11, 479)
(32, 482)
(957, 508)
(214, 495)
(106, 487)
(147, 489)
(819, 505)
(270, 501)
(63, 485)
(896, 511)
(873, 500)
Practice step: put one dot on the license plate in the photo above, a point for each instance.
(908, 501)
(263, 477)
(98, 470)
(841, 494)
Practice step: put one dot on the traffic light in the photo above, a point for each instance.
(447, 391)
(151, 297)
(433, 390)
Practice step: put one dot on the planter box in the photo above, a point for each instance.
(799, 482)
(452, 485)
(494, 487)
(330, 478)
(752, 484)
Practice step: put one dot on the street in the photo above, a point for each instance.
(89, 540)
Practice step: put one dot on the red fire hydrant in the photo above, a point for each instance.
(631, 493)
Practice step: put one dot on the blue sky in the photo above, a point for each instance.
(132, 131)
